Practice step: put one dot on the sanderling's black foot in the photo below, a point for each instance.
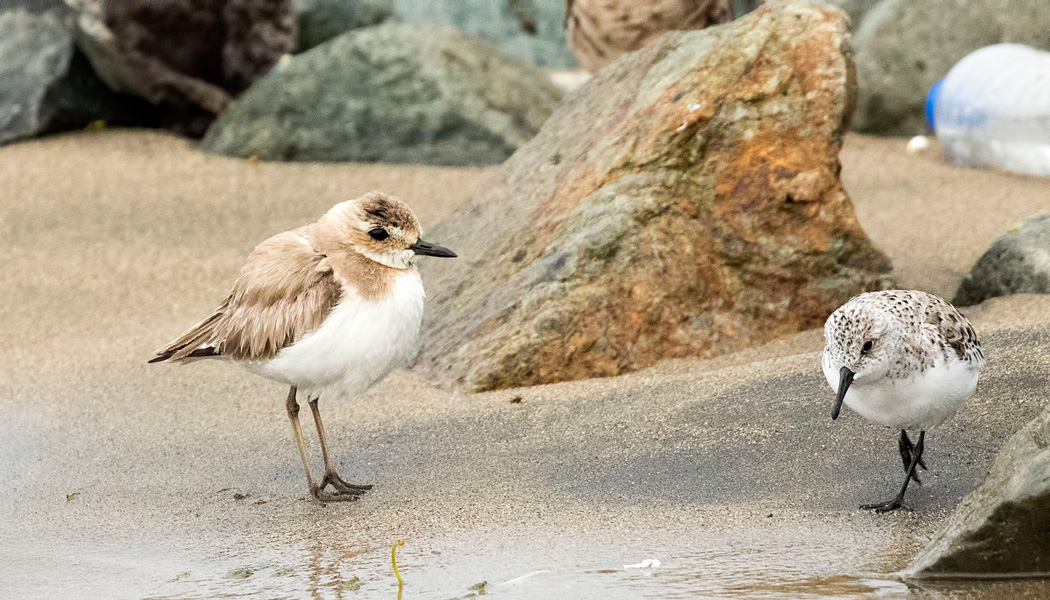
(885, 507)
(332, 478)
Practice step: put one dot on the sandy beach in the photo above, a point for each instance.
(127, 480)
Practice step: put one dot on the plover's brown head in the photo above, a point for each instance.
(381, 228)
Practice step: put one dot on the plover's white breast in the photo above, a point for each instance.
(359, 343)
(920, 400)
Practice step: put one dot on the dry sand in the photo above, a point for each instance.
(729, 470)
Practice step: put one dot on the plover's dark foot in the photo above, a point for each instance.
(332, 478)
(324, 497)
(885, 507)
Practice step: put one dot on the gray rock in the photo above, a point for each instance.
(742, 7)
(322, 20)
(532, 30)
(35, 50)
(1003, 527)
(903, 47)
(1016, 263)
(391, 93)
(46, 85)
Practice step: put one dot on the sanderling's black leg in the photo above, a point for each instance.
(898, 502)
(330, 476)
(906, 449)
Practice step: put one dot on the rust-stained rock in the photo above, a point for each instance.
(685, 202)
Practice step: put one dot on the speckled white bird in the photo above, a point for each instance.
(328, 309)
(905, 359)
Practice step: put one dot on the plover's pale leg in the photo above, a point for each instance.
(898, 502)
(906, 448)
(330, 476)
(318, 494)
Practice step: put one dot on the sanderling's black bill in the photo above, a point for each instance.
(428, 249)
(845, 378)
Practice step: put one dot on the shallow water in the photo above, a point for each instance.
(456, 566)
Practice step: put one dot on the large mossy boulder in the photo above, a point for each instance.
(322, 20)
(1002, 528)
(1018, 262)
(904, 46)
(532, 30)
(685, 202)
(391, 93)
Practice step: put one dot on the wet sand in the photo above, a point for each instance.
(186, 479)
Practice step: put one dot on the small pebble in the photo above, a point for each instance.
(918, 144)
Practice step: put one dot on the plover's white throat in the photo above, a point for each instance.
(329, 309)
(905, 359)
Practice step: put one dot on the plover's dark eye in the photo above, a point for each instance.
(378, 234)
(866, 347)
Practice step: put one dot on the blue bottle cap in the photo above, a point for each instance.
(931, 102)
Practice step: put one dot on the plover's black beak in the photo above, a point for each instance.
(845, 378)
(428, 249)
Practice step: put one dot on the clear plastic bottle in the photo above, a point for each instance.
(993, 108)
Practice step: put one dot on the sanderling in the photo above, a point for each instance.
(329, 309)
(905, 359)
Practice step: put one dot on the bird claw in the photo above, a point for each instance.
(323, 497)
(344, 492)
(885, 507)
(332, 478)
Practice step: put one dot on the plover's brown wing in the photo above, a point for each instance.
(955, 329)
(284, 291)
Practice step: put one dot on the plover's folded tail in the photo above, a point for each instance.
(198, 353)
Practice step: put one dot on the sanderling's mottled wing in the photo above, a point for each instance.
(956, 331)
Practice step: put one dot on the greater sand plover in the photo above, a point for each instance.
(905, 359)
(328, 309)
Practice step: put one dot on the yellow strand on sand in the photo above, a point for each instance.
(393, 561)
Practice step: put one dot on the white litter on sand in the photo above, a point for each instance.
(649, 563)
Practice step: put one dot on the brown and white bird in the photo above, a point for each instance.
(599, 31)
(328, 309)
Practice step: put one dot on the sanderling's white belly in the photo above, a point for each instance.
(923, 400)
(356, 346)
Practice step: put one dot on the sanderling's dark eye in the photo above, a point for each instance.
(866, 347)
(378, 234)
